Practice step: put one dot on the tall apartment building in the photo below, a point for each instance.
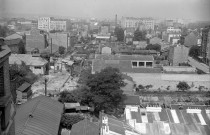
(7, 109)
(44, 23)
(205, 44)
(131, 22)
(58, 25)
(49, 23)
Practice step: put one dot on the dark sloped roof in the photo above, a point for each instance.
(12, 41)
(85, 127)
(39, 116)
(24, 86)
(132, 100)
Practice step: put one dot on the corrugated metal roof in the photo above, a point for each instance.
(39, 116)
(24, 86)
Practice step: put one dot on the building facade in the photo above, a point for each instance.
(44, 23)
(7, 109)
(205, 44)
(143, 23)
(58, 25)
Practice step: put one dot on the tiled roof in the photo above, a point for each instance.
(115, 125)
(12, 41)
(85, 127)
(27, 58)
(24, 86)
(132, 100)
(178, 122)
(38, 116)
(13, 36)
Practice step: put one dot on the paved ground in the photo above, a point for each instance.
(55, 84)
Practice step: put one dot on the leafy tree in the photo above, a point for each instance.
(194, 51)
(68, 120)
(61, 50)
(3, 31)
(84, 75)
(183, 86)
(155, 47)
(105, 92)
(22, 49)
(119, 32)
(139, 35)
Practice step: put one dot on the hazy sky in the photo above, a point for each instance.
(194, 9)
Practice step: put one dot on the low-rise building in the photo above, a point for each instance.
(36, 64)
(125, 63)
(24, 92)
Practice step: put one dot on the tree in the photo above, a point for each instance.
(3, 31)
(105, 92)
(139, 35)
(68, 120)
(194, 51)
(61, 50)
(183, 86)
(155, 47)
(119, 32)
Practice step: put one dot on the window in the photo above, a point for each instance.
(37, 67)
(148, 64)
(134, 64)
(141, 64)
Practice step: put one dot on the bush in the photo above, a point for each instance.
(68, 120)
(183, 86)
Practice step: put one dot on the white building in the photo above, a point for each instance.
(131, 22)
(58, 25)
(48, 23)
(44, 23)
(172, 29)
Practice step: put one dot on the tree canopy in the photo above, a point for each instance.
(119, 32)
(194, 51)
(139, 35)
(155, 47)
(183, 86)
(101, 91)
(61, 50)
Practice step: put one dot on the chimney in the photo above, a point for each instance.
(1, 42)
(116, 20)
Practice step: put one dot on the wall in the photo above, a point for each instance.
(38, 71)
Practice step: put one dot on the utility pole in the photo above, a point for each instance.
(45, 83)
(51, 46)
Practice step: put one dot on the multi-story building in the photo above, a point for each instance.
(205, 44)
(172, 29)
(131, 22)
(58, 25)
(44, 23)
(7, 110)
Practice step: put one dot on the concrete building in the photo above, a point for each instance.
(44, 23)
(143, 23)
(178, 54)
(57, 25)
(205, 44)
(7, 109)
(36, 64)
(172, 29)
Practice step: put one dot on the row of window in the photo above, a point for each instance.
(141, 64)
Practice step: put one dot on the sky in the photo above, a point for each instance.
(189, 9)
